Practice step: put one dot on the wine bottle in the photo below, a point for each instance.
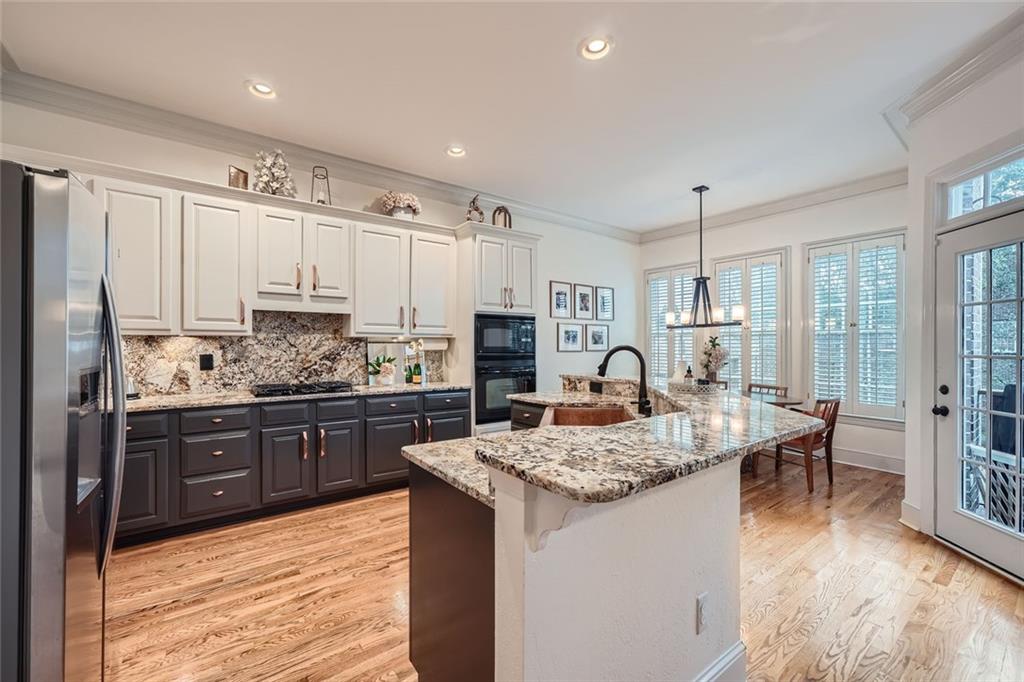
(417, 374)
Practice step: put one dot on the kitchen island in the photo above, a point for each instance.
(604, 539)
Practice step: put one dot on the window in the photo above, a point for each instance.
(755, 348)
(856, 325)
(668, 289)
(1004, 183)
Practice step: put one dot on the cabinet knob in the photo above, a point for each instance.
(447, 400)
(217, 420)
(218, 493)
(392, 405)
(217, 453)
(128, 428)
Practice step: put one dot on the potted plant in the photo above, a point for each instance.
(382, 370)
(400, 205)
(715, 356)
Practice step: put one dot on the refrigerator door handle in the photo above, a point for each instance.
(115, 465)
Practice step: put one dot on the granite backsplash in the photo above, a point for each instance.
(283, 348)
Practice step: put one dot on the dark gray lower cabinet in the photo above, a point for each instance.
(385, 438)
(286, 465)
(144, 486)
(447, 425)
(339, 461)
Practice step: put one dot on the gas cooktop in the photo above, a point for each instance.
(268, 390)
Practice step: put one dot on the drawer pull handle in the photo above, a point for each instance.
(430, 430)
(526, 415)
(217, 420)
(298, 275)
(415, 432)
(447, 400)
(323, 443)
(128, 428)
(217, 453)
(392, 405)
(305, 445)
(218, 493)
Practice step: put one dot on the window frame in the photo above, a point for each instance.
(783, 334)
(852, 246)
(945, 223)
(669, 271)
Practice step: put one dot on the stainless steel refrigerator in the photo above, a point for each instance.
(62, 426)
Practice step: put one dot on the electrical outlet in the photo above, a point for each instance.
(205, 361)
(702, 612)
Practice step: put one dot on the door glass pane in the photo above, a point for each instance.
(975, 332)
(1004, 328)
(975, 277)
(1004, 385)
(975, 431)
(1003, 498)
(975, 383)
(1004, 441)
(973, 489)
(1005, 279)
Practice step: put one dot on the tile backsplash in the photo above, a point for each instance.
(284, 347)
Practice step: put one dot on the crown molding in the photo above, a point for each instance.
(873, 183)
(982, 58)
(42, 93)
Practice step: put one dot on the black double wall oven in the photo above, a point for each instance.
(505, 363)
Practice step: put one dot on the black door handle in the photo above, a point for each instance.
(940, 411)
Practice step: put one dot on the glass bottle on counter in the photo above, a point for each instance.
(408, 373)
(417, 373)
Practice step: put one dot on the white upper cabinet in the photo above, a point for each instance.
(279, 252)
(217, 257)
(329, 257)
(522, 278)
(144, 255)
(382, 280)
(432, 285)
(492, 274)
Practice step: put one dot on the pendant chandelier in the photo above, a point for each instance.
(701, 305)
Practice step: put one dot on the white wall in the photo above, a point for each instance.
(863, 214)
(565, 253)
(989, 112)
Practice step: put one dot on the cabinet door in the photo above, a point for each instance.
(382, 280)
(447, 425)
(217, 273)
(279, 252)
(285, 457)
(144, 486)
(433, 285)
(339, 461)
(491, 274)
(329, 263)
(521, 277)
(144, 255)
(385, 438)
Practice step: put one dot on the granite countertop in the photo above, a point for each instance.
(455, 462)
(604, 464)
(568, 399)
(187, 400)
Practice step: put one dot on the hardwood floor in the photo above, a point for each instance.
(833, 587)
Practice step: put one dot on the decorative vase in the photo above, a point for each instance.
(403, 212)
(386, 380)
(712, 377)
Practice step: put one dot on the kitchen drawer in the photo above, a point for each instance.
(329, 410)
(526, 415)
(276, 415)
(217, 493)
(445, 401)
(392, 404)
(219, 419)
(206, 453)
(146, 425)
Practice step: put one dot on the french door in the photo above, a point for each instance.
(979, 421)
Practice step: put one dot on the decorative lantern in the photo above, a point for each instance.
(320, 191)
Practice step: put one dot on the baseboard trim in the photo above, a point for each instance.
(869, 460)
(910, 516)
(731, 666)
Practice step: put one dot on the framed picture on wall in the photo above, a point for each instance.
(570, 337)
(583, 301)
(561, 300)
(597, 337)
(604, 303)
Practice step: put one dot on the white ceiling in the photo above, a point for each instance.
(759, 101)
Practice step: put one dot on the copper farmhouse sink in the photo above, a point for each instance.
(585, 416)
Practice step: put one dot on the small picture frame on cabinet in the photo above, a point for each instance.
(604, 303)
(570, 337)
(560, 294)
(583, 301)
(238, 178)
(597, 337)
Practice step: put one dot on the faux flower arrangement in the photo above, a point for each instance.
(383, 368)
(392, 201)
(715, 357)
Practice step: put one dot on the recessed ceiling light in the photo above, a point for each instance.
(456, 150)
(261, 89)
(595, 48)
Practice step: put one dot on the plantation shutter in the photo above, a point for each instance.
(729, 283)
(682, 297)
(657, 335)
(830, 284)
(763, 317)
(876, 337)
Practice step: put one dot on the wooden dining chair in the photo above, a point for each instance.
(768, 389)
(828, 412)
